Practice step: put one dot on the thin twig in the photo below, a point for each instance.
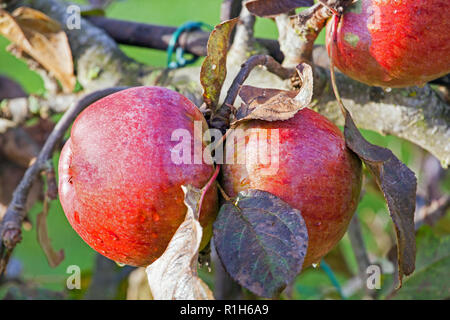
(223, 193)
(433, 212)
(207, 187)
(10, 228)
(54, 258)
(220, 120)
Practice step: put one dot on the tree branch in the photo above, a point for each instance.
(298, 33)
(356, 239)
(158, 37)
(308, 25)
(92, 49)
(230, 9)
(431, 213)
(244, 43)
(221, 118)
(414, 114)
(290, 43)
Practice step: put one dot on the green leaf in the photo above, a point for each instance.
(214, 70)
(261, 241)
(430, 280)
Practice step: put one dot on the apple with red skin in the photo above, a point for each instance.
(118, 185)
(392, 43)
(317, 174)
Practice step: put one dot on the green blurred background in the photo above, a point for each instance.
(311, 284)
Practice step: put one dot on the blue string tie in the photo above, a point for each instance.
(180, 60)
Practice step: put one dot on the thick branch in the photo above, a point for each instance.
(298, 33)
(106, 279)
(158, 37)
(431, 213)
(100, 63)
(290, 43)
(308, 25)
(244, 43)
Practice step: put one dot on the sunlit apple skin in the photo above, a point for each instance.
(316, 174)
(118, 186)
(392, 43)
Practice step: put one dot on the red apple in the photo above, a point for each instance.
(392, 43)
(317, 174)
(118, 185)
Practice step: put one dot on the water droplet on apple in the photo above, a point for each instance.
(114, 236)
(244, 181)
(76, 217)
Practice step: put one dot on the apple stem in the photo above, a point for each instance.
(335, 23)
(223, 193)
(206, 188)
(221, 119)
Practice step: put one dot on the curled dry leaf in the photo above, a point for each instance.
(43, 39)
(398, 184)
(214, 71)
(54, 258)
(270, 8)
(396, 181)
(274, 104)
(261, 241)
(174, 275)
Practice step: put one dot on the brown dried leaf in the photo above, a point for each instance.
(174, 275)
(54, 258)
(214, 71)
(43, 39)
(270, 8)
(274, 104)
(398, 184)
